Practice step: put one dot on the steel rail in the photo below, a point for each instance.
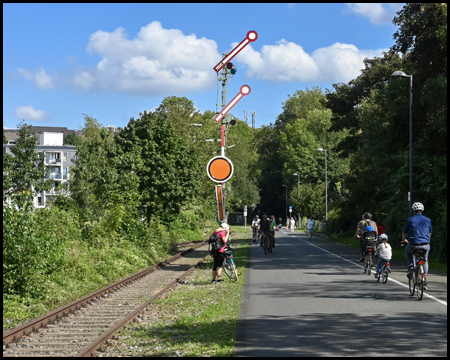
(34, 325)
(91, 349)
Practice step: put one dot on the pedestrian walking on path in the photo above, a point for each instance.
(310, 226)
(292, 221)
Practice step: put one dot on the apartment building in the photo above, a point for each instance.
(58, 160)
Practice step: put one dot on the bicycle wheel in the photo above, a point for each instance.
(366, 263)
(269, 243)
(234, 270)
(384, 274)
(420, 283)
(412, 285)
(228, 268)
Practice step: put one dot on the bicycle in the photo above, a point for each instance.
(368, 257)
(266, 242)
(418, 278)
(228, 265)
(385, 270)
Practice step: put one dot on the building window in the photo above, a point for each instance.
(65, 157)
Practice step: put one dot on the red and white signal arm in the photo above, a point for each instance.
(250, 37)
(243, 91)
(220, 196)
(220, 169)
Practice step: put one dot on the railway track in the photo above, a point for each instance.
(82, 327)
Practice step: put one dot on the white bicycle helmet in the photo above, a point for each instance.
(383, 237)
(225, 226)
(418, 206)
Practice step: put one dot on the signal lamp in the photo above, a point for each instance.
(229, 119)
(231, 68)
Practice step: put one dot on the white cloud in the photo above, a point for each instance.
(29, 113)
(342, 62)
(287, 62)
(378, 13)
(158, 61)
(41, 79)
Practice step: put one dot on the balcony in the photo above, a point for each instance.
(54, 191)
(55, 176)
(53, 161)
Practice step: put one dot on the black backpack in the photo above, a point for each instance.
(214, 241)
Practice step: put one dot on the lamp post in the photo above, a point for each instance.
(299, 218)
(286, 202)
(326, 191)
(402, 74)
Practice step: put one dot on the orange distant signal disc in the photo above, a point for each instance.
(220, 203)
(219, 169)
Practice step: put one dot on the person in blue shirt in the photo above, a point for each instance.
(417, 235)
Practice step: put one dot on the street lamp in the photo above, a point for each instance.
(402, 74)
(326, 191)
(286, 202)
(299, 218)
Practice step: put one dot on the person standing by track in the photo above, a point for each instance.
(218, 255)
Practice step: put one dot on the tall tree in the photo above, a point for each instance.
(24, 172)
(166, 166)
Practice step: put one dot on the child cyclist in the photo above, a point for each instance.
(385, 252)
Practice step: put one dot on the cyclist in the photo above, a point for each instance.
(385, 252)
(264, 227)
(255, 224)
(417, 235)
(272, 229)
(361, 229)
(223, 231)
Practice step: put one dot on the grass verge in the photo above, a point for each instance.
(197, 318)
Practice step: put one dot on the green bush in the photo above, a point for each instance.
(31, 249)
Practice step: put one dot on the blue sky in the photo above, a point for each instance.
(113, 61)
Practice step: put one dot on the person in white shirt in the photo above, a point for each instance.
(310, 226)
(385, 252)
(292, 224)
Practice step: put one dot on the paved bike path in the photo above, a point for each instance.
(313, 299)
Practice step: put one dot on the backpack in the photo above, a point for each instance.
(214, 241)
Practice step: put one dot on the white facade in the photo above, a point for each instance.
(58, 160)
(52, 139)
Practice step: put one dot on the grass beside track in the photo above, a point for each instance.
(197, 318)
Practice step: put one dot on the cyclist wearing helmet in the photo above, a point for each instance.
(417, 235)
(264, 227)
(385, 252)
(272, 229)
(363, 228)
(255, 224)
